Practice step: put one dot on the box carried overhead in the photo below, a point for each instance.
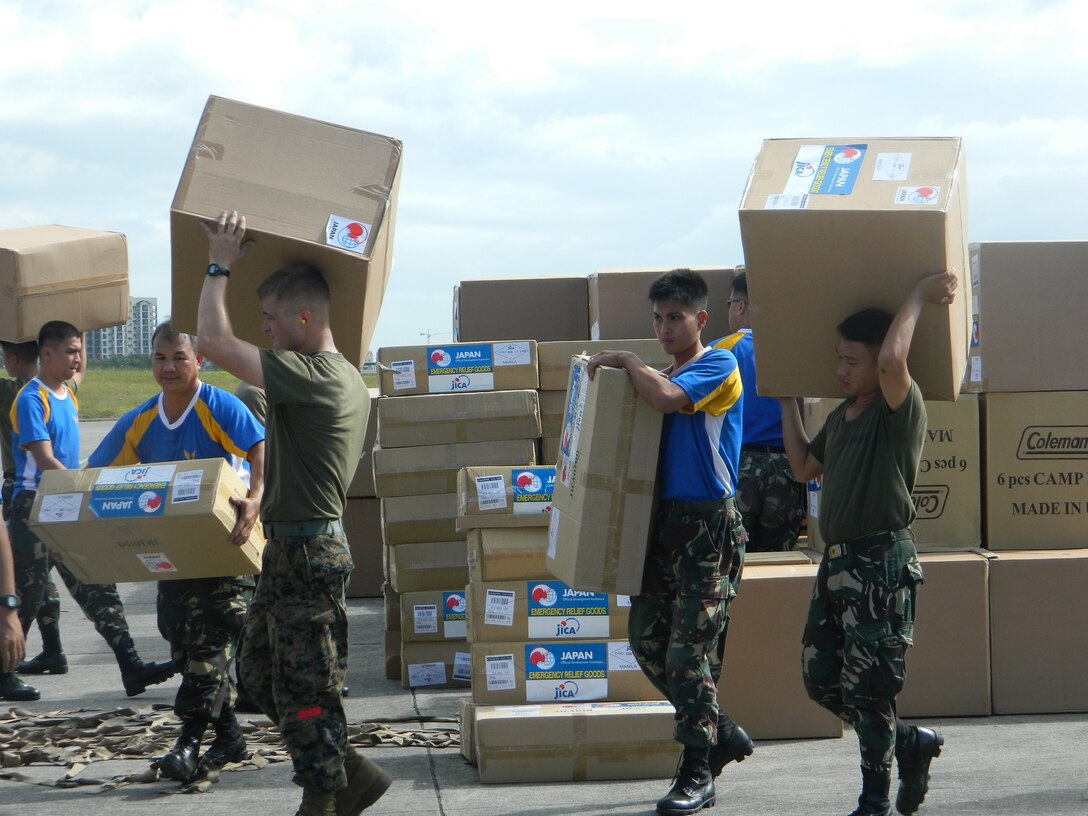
(61, 273)
(310, 191)
(833, 226)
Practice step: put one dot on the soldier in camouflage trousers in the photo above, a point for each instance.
(769, 500)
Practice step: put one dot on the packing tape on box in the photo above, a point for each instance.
(81, 285)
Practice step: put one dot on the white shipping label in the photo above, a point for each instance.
(917, 195)
(813, 504)
(499, 608)
(347, 233)
(976, 369)
(404, 374)
(425, 619)
(623, 600)
(60, 507)
(156, 562)
(510, 354)
(426, 674)
(891, 167)
(621, 658)
(786, 201)
(491, 492)
(462, 666)
(553, 535)
(186, 487)
(499, 671)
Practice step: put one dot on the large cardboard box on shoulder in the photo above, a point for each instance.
(619, 302)
(507, 554)
(516, 308)
(504, 497)
(603, 504)
(543, 610)
(1038, 640)
(1036, 470)
(833, 226)
(363, 528)
(948, 490)
(1028, 329)
(575, 743)
(145, 522)
(61, 273)
(554, 358)
(448, 419)
(454, 368)
(310, 192)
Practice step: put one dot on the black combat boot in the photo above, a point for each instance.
(693, 789)
(874, 793)
(229, 744)
(180, 763)
(913, 755)
(137, 675)
(733, 745)
(15, 690)
(52, 659)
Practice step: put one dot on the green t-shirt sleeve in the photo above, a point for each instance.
(819, 443)
(288, 376)
(909, 419)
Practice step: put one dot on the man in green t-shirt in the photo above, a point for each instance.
(294, 658)
(861, 619)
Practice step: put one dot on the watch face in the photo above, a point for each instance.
(9, 601)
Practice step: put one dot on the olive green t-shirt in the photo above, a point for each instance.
(318, 406)
(254, 399)
(870, 465)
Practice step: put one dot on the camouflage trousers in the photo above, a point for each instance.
(38, 594)
(677, 625)
(295, 651)
(202, 620)
(860, 624)
(771, 503)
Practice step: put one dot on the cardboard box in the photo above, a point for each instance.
(1050, 330)
(833, 226)
(549, 450)
(619, 302)
(948, 491)
(516, 308)
(145, 522)
(392, 655)
(442, 664)
(392, 607)
(419, 471)
(553, 405)
(575, 743)
(504, 497)
(603, 504)
(509, 365)
(948, 668)
(1036, 462)
(433, 615)
(447, 419)
(363, 528)
(546, 672)
(502, 611)
(310, 191)
(761, 685)
(506, 554)
(431, 565)
(1038, 641)
(362, 485)
(61, 273)
(554, 358)
(413, 519)
(466, 721)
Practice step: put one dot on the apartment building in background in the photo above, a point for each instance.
(133, 338)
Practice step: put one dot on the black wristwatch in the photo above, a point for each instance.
(9, 602)
(215, 270)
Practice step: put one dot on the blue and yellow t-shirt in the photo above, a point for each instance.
(700, 444)
(39, 415)
(762, 415)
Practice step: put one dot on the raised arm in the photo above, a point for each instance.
(803, 464)
(657, 390)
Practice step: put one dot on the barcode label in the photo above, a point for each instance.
(462, 666)
(499, 608)
(186, 487)
(786, 201)
(499, 670)
(404, 374)
(491, 492)
(425, 619)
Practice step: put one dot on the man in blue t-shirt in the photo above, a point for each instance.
(693, 566)
(202, 618)
(769, 500)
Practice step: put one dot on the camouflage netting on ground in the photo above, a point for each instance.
(77, 739)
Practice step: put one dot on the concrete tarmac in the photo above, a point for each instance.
(990, 765)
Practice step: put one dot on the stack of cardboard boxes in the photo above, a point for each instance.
(362, 518)
(442, 408)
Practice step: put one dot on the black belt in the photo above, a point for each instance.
(762, 449)
(869, 540)
(302, 529)
(673, 506)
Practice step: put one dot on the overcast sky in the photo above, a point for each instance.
(541, 138)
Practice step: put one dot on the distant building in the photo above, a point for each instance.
(133, 338)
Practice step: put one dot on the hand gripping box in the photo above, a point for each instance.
(507, 554)
(543, 610)
(603, 504)
(145, 522)
(454, 368)
(833, 226)
(575, 743)
(554, 358)
(551, 671)
(506, 497)
(61, 273)
(447, 419)
(311, 191)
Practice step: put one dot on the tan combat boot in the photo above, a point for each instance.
(366, 784)
(317, 803)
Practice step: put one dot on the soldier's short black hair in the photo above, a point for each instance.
(165, 331)
(28, 351)
(740, 284)
(869, 326)
(55, 332)
(681, 285)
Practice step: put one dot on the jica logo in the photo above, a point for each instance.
(541, 659)
(568, 627)
(455, 603)
(803, 169)
(566, 691)
(848, 155)
(544, 595)
(353, 235)
(460, 383)
(441, 358)
(529, 481)
(922, 195)
(137, 474)
(149, 502)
